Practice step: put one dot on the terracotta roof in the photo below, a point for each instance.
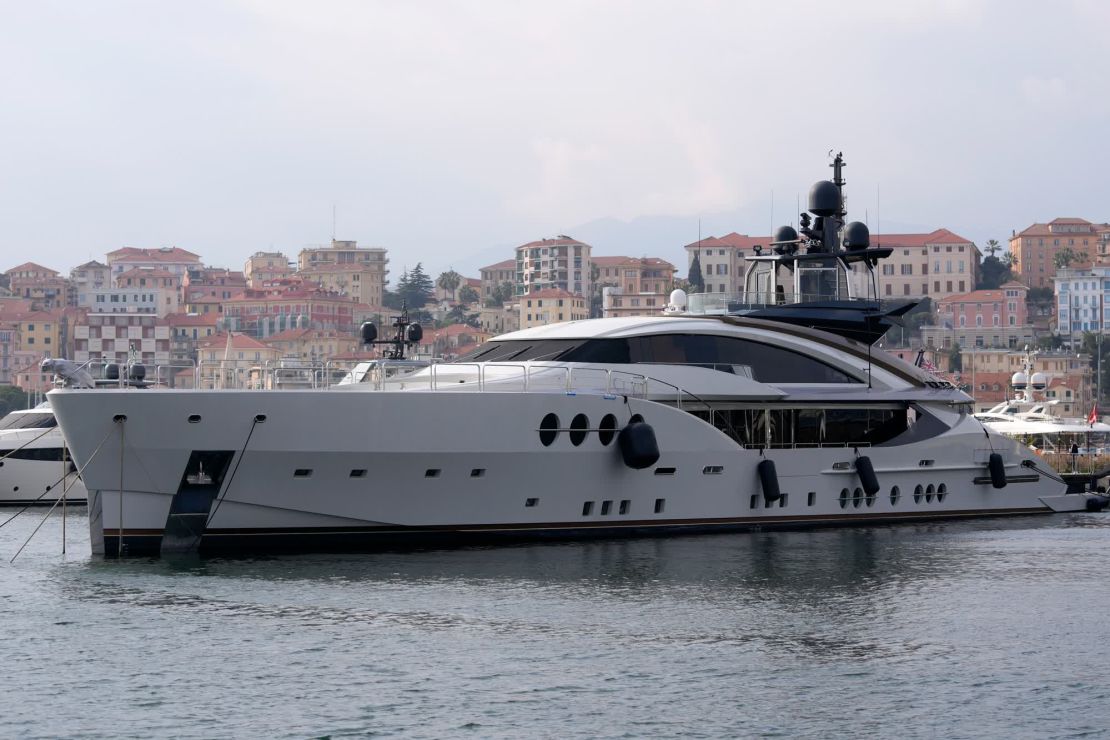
(1039, 229)
(31, 266)
(313, 334)
(164, 254)
(975, 296)
(610, 261)
(191, 319)
(238, 341)
(938, 236)
(503, 265)
(92, 264)
(560, 241)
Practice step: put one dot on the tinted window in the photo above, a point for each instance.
(763, 362)
(28, 421)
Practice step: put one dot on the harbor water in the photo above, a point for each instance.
(991, 628)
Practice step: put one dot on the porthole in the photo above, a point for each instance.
(660, 504)
(607, 429)
(918, 493)
(811, 499)
(845, 497)
(530, 502)
(302, 472)
(431, 473)
(578, 427)
(895, 494)
(782, 500)
(194, 418)
(754, 504)
(929, 493)
(664, 471)
(549, 429)
(358, 473)
(477, 472)
(606, 507)
(587, 508)
(871, 498)
(625, 503)
(942, 493)
(713, 470)
(857, 497)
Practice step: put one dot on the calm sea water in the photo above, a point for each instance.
(984, 629)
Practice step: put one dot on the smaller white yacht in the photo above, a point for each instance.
(35, 467)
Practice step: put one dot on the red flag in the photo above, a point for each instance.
(1093, 416)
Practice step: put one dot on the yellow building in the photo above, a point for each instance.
(348, 269)
(1036, 248)
(551, 306)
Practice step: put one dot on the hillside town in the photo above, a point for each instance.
(981, 310)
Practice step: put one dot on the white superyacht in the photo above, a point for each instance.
(749, 419)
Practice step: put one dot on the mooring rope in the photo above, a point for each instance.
(258, 419)
(79, 473)
(17, 449)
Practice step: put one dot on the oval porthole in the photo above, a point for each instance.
(549, 429)
(895, 494)
(194, 418)
(929, 493)
(578, 427)
(607, 429)
(942, 493)
(845, 496)
(857, 497)
(918, 493)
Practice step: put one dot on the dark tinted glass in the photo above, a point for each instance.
(28, 421)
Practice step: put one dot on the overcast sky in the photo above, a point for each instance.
(443, 130)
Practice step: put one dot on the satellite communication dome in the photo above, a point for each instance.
(678, 298)
(784, 234)
(1019, 380)
(856, 235)
(824, 199)
(1038, 381)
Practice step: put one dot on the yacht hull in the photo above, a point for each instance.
(33, 473)
(336, 470)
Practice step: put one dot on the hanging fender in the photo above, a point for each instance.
(769, 480)
(866, 472)
(638, 446)
(997, 469)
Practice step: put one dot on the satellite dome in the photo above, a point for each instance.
(678, 299)
(824, 199)
(856, 235)
(1019, 380)
(1038, 381)
(784, 234)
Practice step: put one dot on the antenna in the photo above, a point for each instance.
(333, 221)
(878, 217)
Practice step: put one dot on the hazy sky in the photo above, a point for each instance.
(442, 130)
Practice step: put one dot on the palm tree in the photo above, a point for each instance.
(449, 281)
(992, 248)
(1010, 260)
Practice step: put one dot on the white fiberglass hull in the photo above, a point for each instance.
(326, 470)
(33, 471)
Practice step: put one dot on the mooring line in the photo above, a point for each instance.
(35, 531)
(17, 449)
(258, 419)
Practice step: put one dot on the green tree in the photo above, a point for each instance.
(415, 288)
(992, 248)
(12, 398)
(1010, 260)
(955, 359)
(449, 282)
(1065, 257)
(502, 294)
(993, 272)
(1050, 342)
(696, 280)
(468, 295)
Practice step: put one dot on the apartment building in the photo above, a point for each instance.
(633, 286)
(272, 309)
(493, 276)
(263, 266)
(1036, 248)
(44, 288)
(722, 260)
(92, 275)
(113, 337)
(551, 306)
(982, 318)
(562, 263)
(348, 269)
(172, 259)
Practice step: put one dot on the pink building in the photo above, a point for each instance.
(982, 318)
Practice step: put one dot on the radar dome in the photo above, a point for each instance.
(785, 234)
(824, 199)
(1038, 381)
(856, 235)
(1019, 381)
(678, 299)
